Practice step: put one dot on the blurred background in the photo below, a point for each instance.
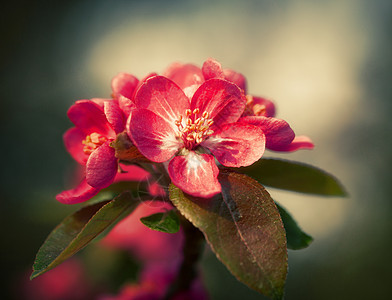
(326, 64)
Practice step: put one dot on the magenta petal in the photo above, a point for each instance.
(223, 100)
(88, 116)
(163, 97)
(73, 138)
(152, 135)
(212, 69)
(236, 78)
(184, 75)
(195, 174)
(299, 142)
(101, 167)
(114, 115)
(237, 145)
(124, 84)
(81, 193)
(278, 133)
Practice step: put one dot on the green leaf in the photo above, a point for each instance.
(165, 222)
(244, 229)
(79, 229)
(296, 238)
(294, 176)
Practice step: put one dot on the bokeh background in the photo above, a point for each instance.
(326, 64)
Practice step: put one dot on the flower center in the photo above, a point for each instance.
(194, 128)
(92, 142)
(254, 109)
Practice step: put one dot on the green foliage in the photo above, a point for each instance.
(165, 222)
(294, 176)
(79, 229)
(244, 229)
(296, 238)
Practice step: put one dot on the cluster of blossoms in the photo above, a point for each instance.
(179, 127)
(190, 120)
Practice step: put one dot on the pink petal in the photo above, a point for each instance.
(73, 138)
(142, 81)
(236, 78)
(114, 115)
(153, 136)
(223, 100)
(163, 97)
(278, 133)
(124, 84)
(126, 105)
(184, 75)
(212, 69)
(299, 142)
(131, 173)
(100, 101)
(87, 116)
(101, 167)
(195, 174)
(81, 193)
(237, 145)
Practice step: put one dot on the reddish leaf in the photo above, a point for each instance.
(244, 229)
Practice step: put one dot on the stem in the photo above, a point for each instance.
(192, 252)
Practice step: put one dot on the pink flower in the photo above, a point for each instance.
(66, 281)
(258, 111)
(167, 126)
(96, 125)
(154, 283)
(143, 242)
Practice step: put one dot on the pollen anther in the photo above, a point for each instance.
(92, 142)
(193, 129)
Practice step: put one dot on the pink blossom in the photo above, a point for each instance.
(154, 283)
(65, 282)
(97, 122)
(146, 244)
(258, 111)
(167, 126)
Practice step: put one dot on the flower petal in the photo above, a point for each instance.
(299, 142)
(124, 84)
(114, 115)
(126, 105)
(236, 78)
(81, 193)
(131, 173)
(73, 138)
(278, 133)
(212, 69)
(88, 116)
(101, 167)
(223, 100)
(237, 145)
(195, 174)
(153, 136)
(184, 75)
(163, 97)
